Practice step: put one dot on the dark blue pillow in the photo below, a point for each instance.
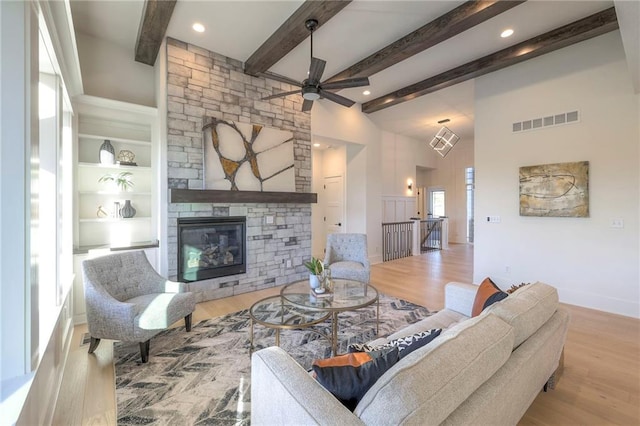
(348, 377)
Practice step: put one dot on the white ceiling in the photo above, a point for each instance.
(237, 28)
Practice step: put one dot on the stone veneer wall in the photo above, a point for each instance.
(205, 84)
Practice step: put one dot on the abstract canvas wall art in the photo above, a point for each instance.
(559, 190)
(247, 157)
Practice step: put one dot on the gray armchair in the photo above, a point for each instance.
(347, 257)
(128, 300)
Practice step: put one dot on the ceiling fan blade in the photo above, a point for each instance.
(336, 98)
(346, 83)
(281, 95)
(316, 69)
(280, 78)
(306, 105)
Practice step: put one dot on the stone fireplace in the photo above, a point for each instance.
(203, 84)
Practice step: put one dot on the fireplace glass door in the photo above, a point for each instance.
(211, 247)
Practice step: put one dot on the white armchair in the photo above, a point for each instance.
(347, 257)
(128, 300)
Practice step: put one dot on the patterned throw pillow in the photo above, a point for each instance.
(515, 287)
(348, 377)
(488, 293)
(405, 345)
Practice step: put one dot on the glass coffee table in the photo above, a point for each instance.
(276, 313)
(346, 295)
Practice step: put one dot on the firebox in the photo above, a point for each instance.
(210, 247)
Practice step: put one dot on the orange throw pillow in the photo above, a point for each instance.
(488, 294)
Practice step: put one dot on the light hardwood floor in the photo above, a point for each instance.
(600, 383)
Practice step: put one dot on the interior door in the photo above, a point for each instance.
(334, 206)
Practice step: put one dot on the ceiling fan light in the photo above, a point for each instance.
(310, 93)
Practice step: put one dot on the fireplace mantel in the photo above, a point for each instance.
(221, 196)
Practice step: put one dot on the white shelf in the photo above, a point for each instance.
(113, 166)
(113, 220)
(121, 194)
(113, 139)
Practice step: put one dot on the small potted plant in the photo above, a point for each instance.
(122, 180)
(316, 268)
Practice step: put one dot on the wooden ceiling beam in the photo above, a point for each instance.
(584, 29)
(458, 20)
(291, 33)
(153, 26)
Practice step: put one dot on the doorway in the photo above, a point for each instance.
(334, 206)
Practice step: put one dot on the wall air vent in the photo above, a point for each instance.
(546, 121)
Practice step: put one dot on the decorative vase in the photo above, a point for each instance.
(107, 153)
(314, 281)
(127, 210)
(116, 210)
(327, 280)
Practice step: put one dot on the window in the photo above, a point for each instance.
(470, 178)
(437, 202)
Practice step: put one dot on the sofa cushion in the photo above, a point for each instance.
(488, 293)
(432, 381)
(405, 345)
(349, 376)
(527, 309)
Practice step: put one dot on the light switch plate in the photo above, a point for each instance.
(617, 223)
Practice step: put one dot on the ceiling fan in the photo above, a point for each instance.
(311, 88)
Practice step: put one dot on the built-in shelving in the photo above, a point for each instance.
(127, 127)
(99, 120)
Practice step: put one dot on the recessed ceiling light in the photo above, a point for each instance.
(198, 27)
(317, 145)
(366, 92)
(506, 33)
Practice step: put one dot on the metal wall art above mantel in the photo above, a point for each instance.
(221, 196)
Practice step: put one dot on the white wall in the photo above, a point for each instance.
(401, 155)
(362, 175)
(109, 71)
(591, 264)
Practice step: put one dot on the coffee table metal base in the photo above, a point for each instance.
(274, 312)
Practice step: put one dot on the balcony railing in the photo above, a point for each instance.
(403, 239)
(431, 235)
(397, 240)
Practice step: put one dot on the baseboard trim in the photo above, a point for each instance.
(79, 319)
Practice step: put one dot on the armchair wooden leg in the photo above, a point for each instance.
(144, 351)
(187, 322)
(93, 345)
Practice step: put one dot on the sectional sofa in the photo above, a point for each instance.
(482, 370)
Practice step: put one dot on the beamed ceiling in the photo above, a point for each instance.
(420, 56)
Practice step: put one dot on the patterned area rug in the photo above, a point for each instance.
(203, 377)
